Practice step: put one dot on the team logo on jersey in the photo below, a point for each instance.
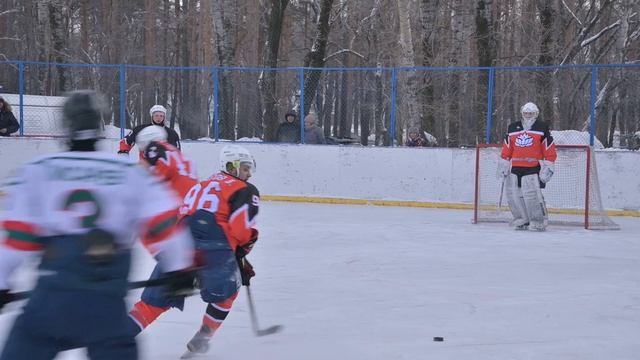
(524, 140)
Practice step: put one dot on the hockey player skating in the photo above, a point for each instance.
(78, 210)
(169, 164)
(527, 163)
(158, 116)
(221, 214)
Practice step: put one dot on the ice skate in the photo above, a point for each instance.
(199, 344)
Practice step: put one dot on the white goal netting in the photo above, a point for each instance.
(572, 196)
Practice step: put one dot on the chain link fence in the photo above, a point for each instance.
(448, 107)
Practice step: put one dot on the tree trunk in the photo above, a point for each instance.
(428, 12)
(224, 15)
(315, 56)
(485, 44)
(408, 91)
(268, 79)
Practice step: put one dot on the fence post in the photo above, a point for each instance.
(21, 95)
(594, 100)
(392, 115)
(301, 116)
(123, 111)
(490, 86)
(216, 115)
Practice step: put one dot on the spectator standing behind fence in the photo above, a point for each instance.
(289, 130)
(312, 132)
(8, 122)
(414, 139)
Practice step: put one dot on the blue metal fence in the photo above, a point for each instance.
(459, 106)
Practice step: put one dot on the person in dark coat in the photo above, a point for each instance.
(414, 139)
(289, 130)
(8, 122)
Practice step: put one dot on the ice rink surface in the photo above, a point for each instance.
(367, 282)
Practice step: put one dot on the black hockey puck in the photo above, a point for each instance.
(438, 338)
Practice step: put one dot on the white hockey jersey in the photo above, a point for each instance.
(72, 192)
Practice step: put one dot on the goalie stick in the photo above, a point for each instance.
(501, 192)
(254, 320)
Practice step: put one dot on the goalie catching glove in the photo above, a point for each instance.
(546, 171)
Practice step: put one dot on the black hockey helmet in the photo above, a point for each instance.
(82, 115)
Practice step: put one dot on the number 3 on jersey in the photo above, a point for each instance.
(207, 199)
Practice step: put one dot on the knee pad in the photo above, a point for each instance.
(516, 201)
(533, 199)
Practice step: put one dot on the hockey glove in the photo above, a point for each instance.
(123, 152)
(504, 168)
(246, 270)
(5, 298)
(245, 249)
(547, 170)
(181, 283)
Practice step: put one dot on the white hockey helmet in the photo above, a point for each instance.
(236, 155)
(149, 134)
(530, 108)
(158, 108)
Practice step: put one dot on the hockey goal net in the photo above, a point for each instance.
(572, 196)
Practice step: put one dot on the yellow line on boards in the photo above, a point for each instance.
(418, 204)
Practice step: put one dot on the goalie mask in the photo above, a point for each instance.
(232, 157)
(529, 112)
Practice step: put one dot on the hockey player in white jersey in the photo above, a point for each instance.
(80, 211)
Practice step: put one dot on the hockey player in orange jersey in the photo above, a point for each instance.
(165, 160)
(220, 213)
(526, 165)
(169, 164)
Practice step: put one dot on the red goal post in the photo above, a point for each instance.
(572, 196)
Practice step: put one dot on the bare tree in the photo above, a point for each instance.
(268, 78)
(315, 58)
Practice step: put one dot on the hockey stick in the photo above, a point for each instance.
(132, 285)
(254, 320)
(501, 191)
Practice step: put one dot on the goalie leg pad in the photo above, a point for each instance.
(516, 201)
(534, 202)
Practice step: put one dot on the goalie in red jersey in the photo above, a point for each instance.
(526, 165)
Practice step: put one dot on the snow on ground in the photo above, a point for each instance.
(367, 282)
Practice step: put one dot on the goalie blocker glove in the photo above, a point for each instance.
(504, 168)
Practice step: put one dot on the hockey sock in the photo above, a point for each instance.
(144, 314)
(216, 313)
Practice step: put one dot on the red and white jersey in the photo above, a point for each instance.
(72, 192)
(525, 148)
(171, 165)
(234, 204)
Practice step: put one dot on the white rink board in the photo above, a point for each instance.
(405, 174)
(378, 283)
